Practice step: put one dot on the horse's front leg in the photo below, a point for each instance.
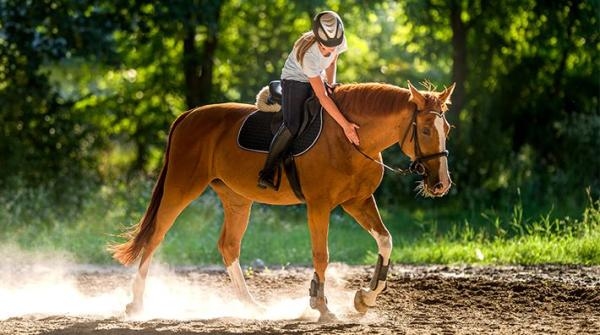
(365, 212)
(318, 224)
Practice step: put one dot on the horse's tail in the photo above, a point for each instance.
(139, 235)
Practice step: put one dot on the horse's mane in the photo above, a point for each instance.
(375, 98)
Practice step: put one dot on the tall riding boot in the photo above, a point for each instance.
(281, 141)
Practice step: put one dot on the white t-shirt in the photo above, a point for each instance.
(314, 63)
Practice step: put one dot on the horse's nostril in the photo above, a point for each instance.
(438, 187)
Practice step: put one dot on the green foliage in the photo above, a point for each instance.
(42, 135)
(515, 239)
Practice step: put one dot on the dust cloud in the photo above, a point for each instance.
(38, 284)
(35, 284)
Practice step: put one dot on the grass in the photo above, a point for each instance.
(518, 240)
(279, 235)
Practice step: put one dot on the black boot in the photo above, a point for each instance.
(281, 141)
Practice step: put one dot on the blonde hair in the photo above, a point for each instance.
(303, 44)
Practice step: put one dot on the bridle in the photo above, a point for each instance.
(416, 166)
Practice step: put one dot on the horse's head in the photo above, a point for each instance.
(424, 140)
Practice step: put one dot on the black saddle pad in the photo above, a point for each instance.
(256, 135)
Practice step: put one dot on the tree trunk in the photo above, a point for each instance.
(199, 66)
(459, 57)
(559, 75)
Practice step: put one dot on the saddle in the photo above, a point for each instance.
(257, 131)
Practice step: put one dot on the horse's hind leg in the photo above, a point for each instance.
(173, 202)
(365, 212)
(236, 210)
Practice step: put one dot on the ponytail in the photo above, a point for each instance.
(303, 44)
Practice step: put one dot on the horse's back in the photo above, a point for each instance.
(212, 120)
(200, 129)
(223, 113)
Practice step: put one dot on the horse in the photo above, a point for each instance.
(202, 151)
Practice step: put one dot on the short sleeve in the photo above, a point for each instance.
(310, 64)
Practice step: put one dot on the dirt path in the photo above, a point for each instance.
(419, 300)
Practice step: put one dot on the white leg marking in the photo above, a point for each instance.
(443, 169)
(238, 281)
(384, 244)
(139, 285)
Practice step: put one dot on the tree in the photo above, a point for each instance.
(41, 134)
(90, 87)
(520, 62)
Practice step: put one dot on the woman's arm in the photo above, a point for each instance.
(349, 128)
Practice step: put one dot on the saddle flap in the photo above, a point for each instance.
(255, 133)
(258, 129)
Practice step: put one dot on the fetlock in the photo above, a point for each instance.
(365, 297)
(317, 293)
(318, 300)
(378, 281)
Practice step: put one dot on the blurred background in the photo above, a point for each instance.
(88, 90)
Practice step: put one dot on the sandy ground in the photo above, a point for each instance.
(419, 300)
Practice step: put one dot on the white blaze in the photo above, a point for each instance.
(443, 169)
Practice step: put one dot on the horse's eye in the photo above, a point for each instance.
(426, 131)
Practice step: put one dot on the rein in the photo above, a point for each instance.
(416, 167)
(403, 172)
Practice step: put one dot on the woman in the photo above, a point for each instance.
(311, 63)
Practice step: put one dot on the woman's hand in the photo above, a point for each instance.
(351, 133)
(349, 128)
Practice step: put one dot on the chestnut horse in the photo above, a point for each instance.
(202, 151)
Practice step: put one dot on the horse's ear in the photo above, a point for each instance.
(416, 97)
(445, 95)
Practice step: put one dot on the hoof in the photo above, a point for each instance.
(359, 302)
(320, 304)
(256, 308)
(252, 305)
(327, 317)
(133, 309)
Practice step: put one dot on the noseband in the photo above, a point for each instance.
(416, 166)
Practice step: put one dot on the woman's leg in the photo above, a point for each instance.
(294, 94)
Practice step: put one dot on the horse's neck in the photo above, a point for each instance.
(383, 116)
(382, 133)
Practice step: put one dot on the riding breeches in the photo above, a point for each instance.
(294, 94)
